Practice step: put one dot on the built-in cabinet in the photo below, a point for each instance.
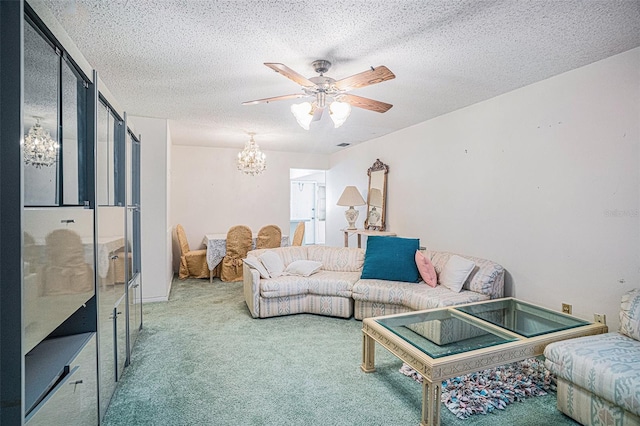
(134, 234)
(111, 224)
(73, 310)
(59, 323)
(117, 217)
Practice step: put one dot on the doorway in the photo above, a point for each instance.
(308, 204)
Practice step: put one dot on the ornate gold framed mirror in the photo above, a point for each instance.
(377, 196)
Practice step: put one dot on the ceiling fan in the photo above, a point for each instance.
(329, 92)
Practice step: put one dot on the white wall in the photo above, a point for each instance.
(209, 194)
(544, 180)
(155, 169)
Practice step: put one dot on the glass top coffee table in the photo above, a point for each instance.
(448, 342)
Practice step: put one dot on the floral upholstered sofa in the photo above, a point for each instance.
(381, 297)
(325, 292)
(336, 288)
(599, 376)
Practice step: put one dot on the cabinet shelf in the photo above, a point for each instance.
(47, 364)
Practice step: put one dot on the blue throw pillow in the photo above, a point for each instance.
(391, 258)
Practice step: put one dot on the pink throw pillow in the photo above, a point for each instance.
(426, 269)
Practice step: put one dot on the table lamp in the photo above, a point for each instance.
(351, 197)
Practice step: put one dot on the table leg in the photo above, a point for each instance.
(346, 239)
(431, 394)
(359, 241)
(368, 354)
(211, 275)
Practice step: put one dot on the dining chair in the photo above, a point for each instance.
(298, 235)
(30, 253)
(66, 270)
(269, 236)
(239, 242)
(193, 263)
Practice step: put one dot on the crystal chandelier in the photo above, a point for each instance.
(39, 148)
(252, 161)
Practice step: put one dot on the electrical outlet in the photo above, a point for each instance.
(601, 318)
(566, 308)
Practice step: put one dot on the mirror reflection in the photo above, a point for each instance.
(41, 70)
(58, 268)
(54, 94)
(376, 196)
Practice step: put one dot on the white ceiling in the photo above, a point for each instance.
(194, 62)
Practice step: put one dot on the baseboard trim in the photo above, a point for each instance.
(155, 299)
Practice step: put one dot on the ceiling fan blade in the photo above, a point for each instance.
(366, 103)
(317, 113)
(276, 98)
(366, 78)
(291, 74)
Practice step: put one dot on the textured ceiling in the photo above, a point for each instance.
(194, 62)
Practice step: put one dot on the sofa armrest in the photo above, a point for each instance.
(630, 314)
(251, 283)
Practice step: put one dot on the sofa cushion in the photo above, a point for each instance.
(486, 278)
(324, 283)
(391, 258)
(426, 269)
(302, 268)
(256, 264)
(340, 259)
(415, 297)
(287, 254)
(607, 365)
(630, 314)
(456, 272)
(272, 263)
(285, 285)
(332, 283)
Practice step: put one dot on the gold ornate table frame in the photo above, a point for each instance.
(435, 370)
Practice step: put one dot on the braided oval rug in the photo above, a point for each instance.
(495, 388)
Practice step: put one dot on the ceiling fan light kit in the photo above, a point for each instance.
(339, 112)
(328, 91)
(303, 112)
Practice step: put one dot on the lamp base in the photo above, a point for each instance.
(351, 215)
(374, 217)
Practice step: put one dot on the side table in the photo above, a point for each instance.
(361, 232)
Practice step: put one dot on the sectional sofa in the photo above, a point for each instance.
(337, 289)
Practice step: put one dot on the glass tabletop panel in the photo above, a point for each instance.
(522, 318)
(443, 332)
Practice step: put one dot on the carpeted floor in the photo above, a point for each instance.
(202, 360)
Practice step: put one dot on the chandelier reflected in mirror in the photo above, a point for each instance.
(252, 161)
(39, 147)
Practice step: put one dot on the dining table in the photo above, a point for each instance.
(216, 245)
